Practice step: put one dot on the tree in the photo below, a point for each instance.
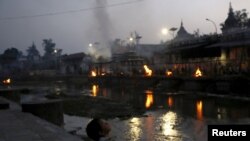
(32, 52)
(241, 17)
(11, 55)
(49, 58)
(49, 48)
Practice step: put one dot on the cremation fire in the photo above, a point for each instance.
(147, 71)
(93, 73)
(7, 81)
(198, 73)
(169, 73)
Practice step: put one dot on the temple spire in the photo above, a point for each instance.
(231, 11)
(231, 21)
(182, 33)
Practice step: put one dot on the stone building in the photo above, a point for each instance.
(78, 63)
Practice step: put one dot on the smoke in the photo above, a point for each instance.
(104, 28)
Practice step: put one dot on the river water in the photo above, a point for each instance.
(171, 116)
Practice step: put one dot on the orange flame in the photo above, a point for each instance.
(169, 73)
(150, 99)
(147, 70)
(93, 73)
(199, 110)
(7, 81)
(198, 73)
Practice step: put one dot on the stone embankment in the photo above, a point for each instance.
(19, 122)
(20, 126)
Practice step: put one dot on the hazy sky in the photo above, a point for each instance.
(73, 24)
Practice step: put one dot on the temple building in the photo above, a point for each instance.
(216, 54)
(182, 34)
(230, 23)
(227, 53)
(77, 63)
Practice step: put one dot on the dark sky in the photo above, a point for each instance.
(73, 24)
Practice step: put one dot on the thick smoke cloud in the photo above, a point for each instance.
(102, 40)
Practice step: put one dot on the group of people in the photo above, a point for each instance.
(98, 130)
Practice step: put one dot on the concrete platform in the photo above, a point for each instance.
(4, 104)
(13, 106)
(16, 125)
(19, 126)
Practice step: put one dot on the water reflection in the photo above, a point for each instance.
(193, 105)
(168, 123)
(135, 128)
(98, 91)
(149, 125)
(149, 99)
(199, 111)
(170, 101)
(168, 116)
(196, 106)
(105, 92)
(95, 90)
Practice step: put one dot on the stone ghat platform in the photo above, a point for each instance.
(19, 126)
(16, 125)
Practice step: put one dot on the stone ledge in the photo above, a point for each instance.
(26, 127)
(4, 104)
(50, 110)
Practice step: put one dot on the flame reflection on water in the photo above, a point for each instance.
(176, 117)
(170, 102)
(199, 110)
(94, 90)
(168, 123)
(149, 98)
(135, 128)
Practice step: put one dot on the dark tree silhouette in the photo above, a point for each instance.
(49, 57)
(241, 17)
(242, 20)
(11, 55)
(49, 48)
(32, 52)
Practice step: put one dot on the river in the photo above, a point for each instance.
(172, 116)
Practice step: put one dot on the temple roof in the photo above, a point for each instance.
(182, 33)
(73, 57)
(231, 21)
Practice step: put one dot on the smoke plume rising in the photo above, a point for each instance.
(104, 28)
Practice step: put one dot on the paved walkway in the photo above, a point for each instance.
(19, 126)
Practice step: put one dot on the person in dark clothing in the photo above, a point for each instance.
(98, 129)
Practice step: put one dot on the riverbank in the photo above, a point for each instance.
(23, 126)
(158, 106)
